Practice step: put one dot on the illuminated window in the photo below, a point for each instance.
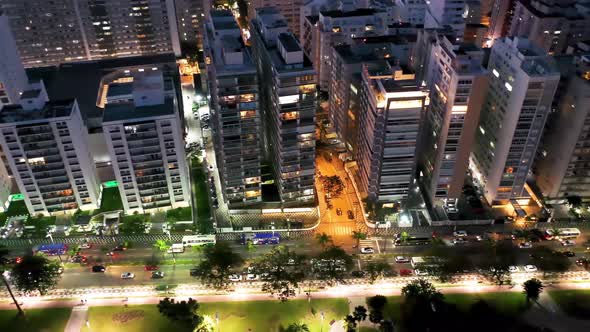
(336, 29)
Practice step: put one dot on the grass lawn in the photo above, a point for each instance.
(111, 200)
(15, 208)
(201, 190)
(573, 302)
(264, 316)
(41, 224)
(46, 320)
(179, 214)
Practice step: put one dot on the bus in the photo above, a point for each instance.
(261, 238)
(562, 233)
(412, 240)
(198, 240)
(52, 249)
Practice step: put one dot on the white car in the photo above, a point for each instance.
(420, 272)
(459, 240)
(127, 275)
(513, 269)
(530, 268)
(251, 277)
(402, 259)
(367, 250)
(568, 243)
(235, 277)
(85, 245)
(459, 233)
(478, 238)
(525, 245)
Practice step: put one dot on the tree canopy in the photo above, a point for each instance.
(282, 271)
(36, 273)
(184, 312)
(215, 268)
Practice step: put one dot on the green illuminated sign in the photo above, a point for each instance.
(16, 197)
(110, 184)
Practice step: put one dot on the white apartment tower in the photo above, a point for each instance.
(235, 114)
(288, 100)
(143, 132)
(13, 78)
(451, 13)
(522, 84)
(457, 83)
(46, 147)
(393, 104)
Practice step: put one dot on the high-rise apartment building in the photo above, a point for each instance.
(393, 104)
(453, 13)
(500, 18)
(13, 79)
(190, 15)
(562, 168)
(522, 84)
(551, 24)
(290, 9)
(412, 11)
(46, 148)
(338, 27)
(53, 32)
(235, 114)
(143, 133)
(288, 100)
(457, 83)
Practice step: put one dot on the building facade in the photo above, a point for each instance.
(235, 113)
(457, 83)
(392, 107)
(452, 13)
(53, 32)
(288, 101)
(190, 16)
(13, 78)
(46, 148)
(522, 84)
(143, 134)
(290, 9)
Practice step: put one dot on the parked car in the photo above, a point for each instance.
(339, 211)
(119, 247)
(157, 275)
(251, 277)
(525, 245)
(127, 275)
(569, 254)
(235, 277)
(530, 268)
(350, 214)
(568, 243)
(85, 245)
(402, 259)
(459, 240)
(367, 250)
(405, 272)
(358, 274)
(419, 272)
(513, 269)
(459, 233)
(98, 268)
(150, 267)
(583, 261)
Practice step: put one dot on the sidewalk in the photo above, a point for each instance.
(547, 313)
(78, 318)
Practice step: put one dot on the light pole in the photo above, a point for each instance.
(217, 320)
(322, 323)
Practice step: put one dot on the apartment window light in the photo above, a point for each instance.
(495, 72)
(508, 86)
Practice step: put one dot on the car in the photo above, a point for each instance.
(330, 205)
(78, 259)
(127, 275)
(459, 233)
(235, 277)
(120, 247)
(357, 274)
(530, 268)
(194, 273)
(367, 250)
(98, 268)
(350, 214)
(459, 240)
(419, 272)
(569, 254)
(568, 243)
(478, 238)
(157, 275)
(513, 269)
(525, 245)
(251, 277)
(339, 211)
(402, 259)
(85, 245)
(405, 272)
(582, 261)
(150, 267)
(265, 276)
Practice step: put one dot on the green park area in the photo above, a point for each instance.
(200, 189)
(15, 208)
(179, 214)
(233, 316)
(575, 303)
(35, 320)
(111, 200)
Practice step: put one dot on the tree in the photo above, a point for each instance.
(532, 289)
(36, 273)
(549, 260)
(214, 270)
(358, 236)
(376, 270)
(421, 303)
(386, 326)
(184, 312)
(574, 201)
(283, 271)
(421, 288)
(3, 265)
(297, 327)
(332, 264)
(449, 264)
(350, 323)
(323, 239)
(333, 185)
(498, 257)
(376, 303)
(359, 313)
(73, 250)
(162, 246)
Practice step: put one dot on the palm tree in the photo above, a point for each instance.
(162, 246)
(3, 258)
(297, 327)
(323, 239)
(532, 289)
(358, 236)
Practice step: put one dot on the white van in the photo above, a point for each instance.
(176, 248)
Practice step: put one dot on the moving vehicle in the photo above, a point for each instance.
(150, 267)
(568, 243)
(235, 277)
(157, 275)
(525, 245)
(459, 233)
(419, 272)
(119, 247)
(197, 240)
(562, 233)
(176, 248)
(411, 240)
(402, 259)
(530, 268)
(350, 214)
(513, 269)
(127, 275)
(85, 245)
(367, 250)
(569, 254)
(339, 211)
(261, 238)
(251, 277)
(52, 249)
(98, 268)
(459, 240)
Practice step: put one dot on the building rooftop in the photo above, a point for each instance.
(14, 114)
(271, 17)
(120, 89)
(289, 42)
(128, 111)
(352, 13)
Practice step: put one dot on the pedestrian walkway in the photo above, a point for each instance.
(78, 319)
(546, 313)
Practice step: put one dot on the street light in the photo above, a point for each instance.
(322, 318)
(217, 320)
